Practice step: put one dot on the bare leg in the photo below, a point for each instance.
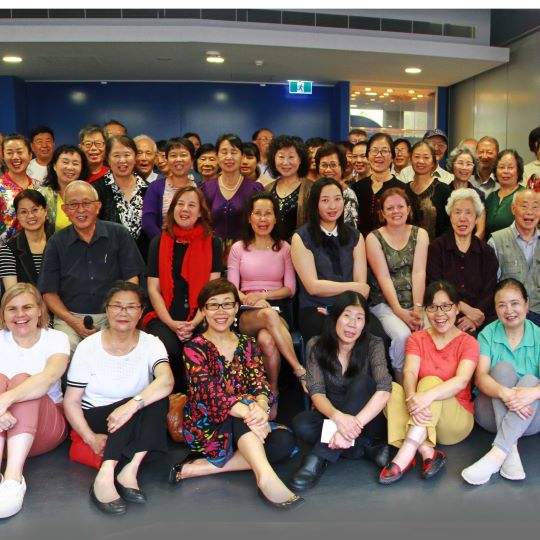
(128, 475)
(104, 488)
(415, 437)
(272, 364)
(17, 452)
(202, 467)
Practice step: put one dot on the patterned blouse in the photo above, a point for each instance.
(215, 385)
(9, 224)
(288, 209)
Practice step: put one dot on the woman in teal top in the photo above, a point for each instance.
(508, 171)
(508, 378)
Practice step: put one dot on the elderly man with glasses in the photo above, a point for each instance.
(82, 261)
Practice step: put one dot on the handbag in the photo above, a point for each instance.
(80, 452)
(175, 416)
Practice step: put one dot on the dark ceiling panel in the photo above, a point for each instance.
(507, 25)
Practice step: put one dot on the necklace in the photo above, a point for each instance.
(222, 186)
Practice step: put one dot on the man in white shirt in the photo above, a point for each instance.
(42, 142)
(146, 157)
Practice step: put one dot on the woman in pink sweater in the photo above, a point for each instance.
(260, 266)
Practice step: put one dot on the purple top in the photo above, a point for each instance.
(152, 208)
(227, 214)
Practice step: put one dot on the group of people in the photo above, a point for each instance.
(408, 284)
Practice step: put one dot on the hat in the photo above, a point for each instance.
(434, 133)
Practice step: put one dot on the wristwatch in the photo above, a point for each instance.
(140, 401)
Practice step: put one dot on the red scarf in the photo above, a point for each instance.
(196, 265)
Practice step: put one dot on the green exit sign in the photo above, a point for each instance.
(300, 87)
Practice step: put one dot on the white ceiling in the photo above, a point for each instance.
(155, 51)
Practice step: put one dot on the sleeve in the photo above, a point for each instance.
(130, 260)
(156, 352)
(434, 267)
(469, 350)
(58, 342)
(442, 224)
(49, 277)
(151, 213)
(414, 344)
(233, 264)
(257, 384)
(79, 371)
(257, 187)
(489, 280)
(289, 279)
(378, 365)
(484, 341)
(314, 376)
(153, 257)
(8, 264)
(208, 391)
(217, 255)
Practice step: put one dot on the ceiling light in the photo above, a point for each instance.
(389, 90)
(413, 70)
(367, 89)
(354, 105)
(414, 99)
(381, 96)
(411, 91)
(12, 59)
(371, 93)
(259, 63)
(385, 94)
(419, 95)
(392, 101)
(214, 57)
(372, 99)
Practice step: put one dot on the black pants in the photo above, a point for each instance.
(175, 349)
(308, 424)
(311, 323)
(278, 446)
(145, 431)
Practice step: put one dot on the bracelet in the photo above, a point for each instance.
(418, 305)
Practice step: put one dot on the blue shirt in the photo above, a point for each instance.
(524, 358)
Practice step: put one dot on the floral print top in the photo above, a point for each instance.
(9, 224)
(214, 386)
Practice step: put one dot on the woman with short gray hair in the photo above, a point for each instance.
(465, 261)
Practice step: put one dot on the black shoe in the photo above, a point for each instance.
(309, 473)
(118, 506)
(131, 495)
(378, 454)
(175, 474)
(294, 502)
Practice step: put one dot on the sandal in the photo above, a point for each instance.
(175, 474)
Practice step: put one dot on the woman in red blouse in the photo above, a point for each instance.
(226, 412)
(434, 404)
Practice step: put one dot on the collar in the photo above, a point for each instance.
(330, 233)
(499, 335)
(516, 233)
(100, 232)
(449, 243)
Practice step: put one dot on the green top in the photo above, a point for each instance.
(524, 358)
(499, 212)
(400, 264)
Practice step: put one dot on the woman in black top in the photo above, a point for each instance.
(349, 383)
(21, 257)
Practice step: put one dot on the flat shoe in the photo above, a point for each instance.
(132, 495)
(431, 466)
(118, 506)
(294, 502)
(392, 472)
(175, 474)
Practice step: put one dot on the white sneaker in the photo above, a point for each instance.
(512, 468)
(11, 497)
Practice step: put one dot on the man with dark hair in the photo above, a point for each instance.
(487, 150)
(357, 135)
(312, 145)
(42, 141)
(92, 142)
(113, 128)
(262, 138)
(403, 155)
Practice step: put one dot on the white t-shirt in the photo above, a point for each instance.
(16, 359)
(106, 378)
(37, 172)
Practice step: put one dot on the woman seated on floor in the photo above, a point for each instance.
(508, 379)
(260, 267)
(349, 383)
(434, 404)
(116, 398)
(465, 261)
(33, 359)
(226, 413)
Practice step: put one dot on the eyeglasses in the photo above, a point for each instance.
(439, 144)
(31, 211)
(260, 215)
(331, 166)
(98, 144)
(443, 307)
(382, 151)
(131, 309)
(214, 306)
(76, 205)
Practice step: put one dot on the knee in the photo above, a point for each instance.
(304, 426)
(266, 341)
(270, 317)
(528, 381)
(17, 380)
(504, 373)
(428, 382)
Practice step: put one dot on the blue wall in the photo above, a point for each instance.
(163, 110)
